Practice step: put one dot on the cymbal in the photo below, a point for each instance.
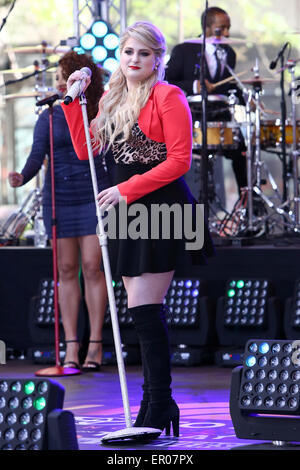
(217, 40)
(27, 95)
(253, 81)
(42, 49)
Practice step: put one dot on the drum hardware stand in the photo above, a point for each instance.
(283, 116)
(248, 96)
(214, 201)
(241, 221)
(295, 151)
(16, 223)
(290, 219)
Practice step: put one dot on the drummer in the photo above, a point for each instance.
(183, 70)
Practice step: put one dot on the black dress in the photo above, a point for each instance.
(152, 232)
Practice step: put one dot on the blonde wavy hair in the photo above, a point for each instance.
(119, 109)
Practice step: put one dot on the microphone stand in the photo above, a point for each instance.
(283, 131)
(58, 369)
(295, 152)
(204, 169)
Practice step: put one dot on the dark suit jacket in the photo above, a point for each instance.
(183, 68)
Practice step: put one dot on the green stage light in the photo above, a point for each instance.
(29, 387)
(39, 403)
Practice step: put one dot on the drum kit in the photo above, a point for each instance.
(255, 213)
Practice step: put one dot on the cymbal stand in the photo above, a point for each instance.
(248, 96)
(257, 153)
(294, 151)
(290, 214)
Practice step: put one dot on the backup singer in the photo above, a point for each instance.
(147, 125)
(77, 241)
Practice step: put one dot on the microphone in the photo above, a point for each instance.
(76, 88)
(49, 100)
(274, 62)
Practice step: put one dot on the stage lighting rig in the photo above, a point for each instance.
(31, 416)
(248, 308)
(102, 43)
(130, 346)
(41, 324)
(189, 315)
(292, 314)
(265, 392)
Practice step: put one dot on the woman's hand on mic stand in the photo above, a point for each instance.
(76, 76)
(15, 179)
(109, 197)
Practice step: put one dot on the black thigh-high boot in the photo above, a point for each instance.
(153, 336)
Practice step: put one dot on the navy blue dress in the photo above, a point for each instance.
(74, 197)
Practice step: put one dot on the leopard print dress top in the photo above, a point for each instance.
(139, 149)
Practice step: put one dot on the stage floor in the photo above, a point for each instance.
(202, 394)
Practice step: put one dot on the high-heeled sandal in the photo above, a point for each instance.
(71, 364)
(92, 366)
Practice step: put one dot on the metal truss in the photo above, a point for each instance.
(111, 11)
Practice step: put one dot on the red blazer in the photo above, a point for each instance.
(165, 118)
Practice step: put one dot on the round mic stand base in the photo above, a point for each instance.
(131, 434)
(57, 371)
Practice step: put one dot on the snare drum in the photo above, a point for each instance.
(271, 133)
(195, 101)
(220, 135)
